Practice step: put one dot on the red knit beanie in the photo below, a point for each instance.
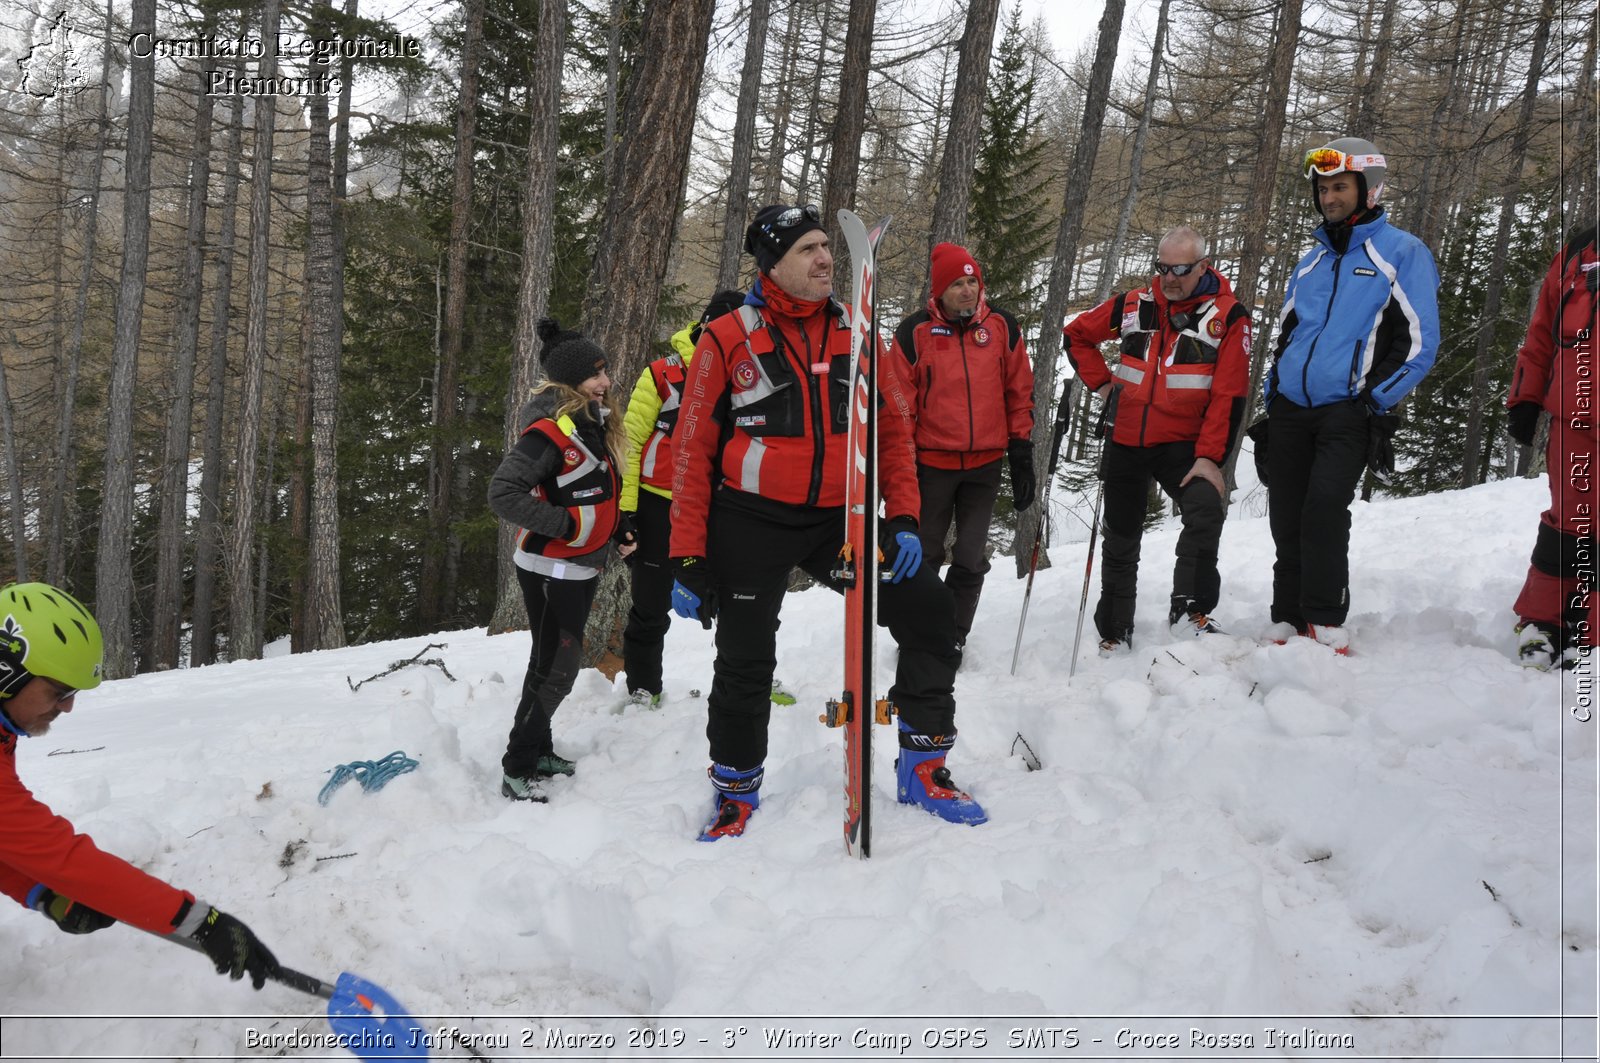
(951, 262)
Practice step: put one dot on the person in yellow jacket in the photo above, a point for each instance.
(647, 494)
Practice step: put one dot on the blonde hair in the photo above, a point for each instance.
(575, 404)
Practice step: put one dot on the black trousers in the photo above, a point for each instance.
(1127, 472)
(1314, 462)
(558, 609)
(651, 613)
(751, 553)
(967, 496)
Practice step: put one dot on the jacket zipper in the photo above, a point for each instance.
(818, 430)
(1305, 370)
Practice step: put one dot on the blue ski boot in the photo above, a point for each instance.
(738, 795)
(925, 781)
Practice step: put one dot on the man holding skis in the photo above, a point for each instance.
(50, 649)
(759, 490)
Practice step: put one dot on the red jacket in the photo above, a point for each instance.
(1181, 379)
(39, 848)
(972, 381)
(1547, 365)
(765, 410)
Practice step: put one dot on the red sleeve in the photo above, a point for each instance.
(897, 448)
(1230, 383)
(694, 446)
(1531, 377)
(1019, 391)
(1083, 336)
(38, 847)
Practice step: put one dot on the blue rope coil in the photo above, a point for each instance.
(371, 774)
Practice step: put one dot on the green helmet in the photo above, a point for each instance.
(46, 632)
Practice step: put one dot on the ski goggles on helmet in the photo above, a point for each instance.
(1177, 269)
(1325, 162)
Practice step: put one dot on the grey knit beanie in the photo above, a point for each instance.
(569, 357)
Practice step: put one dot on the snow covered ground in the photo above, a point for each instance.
(1396, 850)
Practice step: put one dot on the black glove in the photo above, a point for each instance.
(1380, 446)
(69, 915)
(1258, 435)
(1019, 454)
(1522, 420)
(693, 596)
(626, 533)
(234, 948)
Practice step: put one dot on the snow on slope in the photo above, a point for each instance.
(1222, 833)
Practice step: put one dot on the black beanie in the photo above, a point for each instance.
(724, 302)
(769, 242)
(568, 357)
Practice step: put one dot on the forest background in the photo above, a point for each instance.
(261, 354)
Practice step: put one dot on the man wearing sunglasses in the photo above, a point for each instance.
(50, 649)
(1359, 329)
(758, 490)
(1182, 382)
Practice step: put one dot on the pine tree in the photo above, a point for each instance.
(1009, 229)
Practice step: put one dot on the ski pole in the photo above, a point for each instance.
(1103, 426)
(1041, 530)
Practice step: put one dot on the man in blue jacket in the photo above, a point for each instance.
(1359, 329)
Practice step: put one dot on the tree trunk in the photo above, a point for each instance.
(323, 354)
(778, 150)
(441, 478)
(113, 589)
(1432, 200)
(613, 76)
(849, 120)
(1473, 450)
(18, 503)
(1368, 114)
(1108, 275)
(244, 625)
(966, 112)
(744, 136)
(636, 229)
(1063, 264)
(61, 522)
(533, 289)
(808, 139)
(208, 531)
(172, 492)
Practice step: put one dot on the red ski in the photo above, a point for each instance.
(857, 570)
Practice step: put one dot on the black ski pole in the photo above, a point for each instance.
(1041, 530)
(1103, 426)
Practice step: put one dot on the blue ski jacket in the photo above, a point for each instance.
(1359, 325)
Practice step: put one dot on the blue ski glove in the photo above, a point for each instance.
(234, 948)
(693, 597)
(69, 915)
(902, 550)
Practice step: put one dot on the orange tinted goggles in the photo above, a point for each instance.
(1326, 162)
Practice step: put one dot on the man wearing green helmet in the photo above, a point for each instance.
(50, 649)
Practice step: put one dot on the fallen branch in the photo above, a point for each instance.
(396, 666)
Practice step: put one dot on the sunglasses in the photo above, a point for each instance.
(62, 693)
(1177, 269)
(1329, 161)
(794, 216)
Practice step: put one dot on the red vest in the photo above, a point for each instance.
(655, 457)
(585, 486)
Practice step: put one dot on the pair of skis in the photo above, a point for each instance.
(857, 707)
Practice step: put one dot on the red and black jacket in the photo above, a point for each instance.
(40, 849)
(585, 485)
(1563, 327)
(766, 410)
(1185, 367)
(972, 381)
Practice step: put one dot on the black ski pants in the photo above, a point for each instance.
(651, 613)
(558, 609)
(1315, 459)
(1127, 472)
(751, 555)
(967, 496)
